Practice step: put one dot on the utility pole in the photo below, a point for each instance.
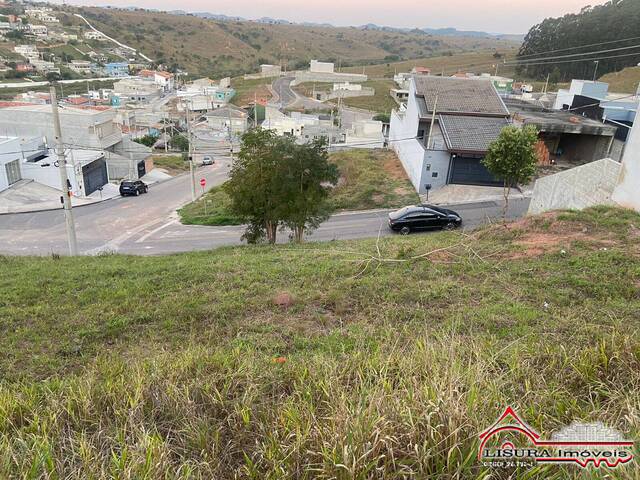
(255, 109)
(546, 84)
(192, 170)
(433, 120)
(64, 180)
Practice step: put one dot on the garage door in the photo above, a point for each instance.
(13, 171)
(470, 171)
(95, 175)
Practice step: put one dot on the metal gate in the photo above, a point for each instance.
(470, 171)
(142, 169)
(95, 175)
(13, 171)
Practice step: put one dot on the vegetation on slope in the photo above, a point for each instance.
(339, 360)
(624, 81)
(610, 24)
(216, 48)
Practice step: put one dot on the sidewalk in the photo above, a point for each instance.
(461, 194)
(29, 196)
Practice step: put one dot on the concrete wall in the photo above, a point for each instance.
(363, 92)
(580, 187)
(321, 67)
(627, 192)
(305, 76)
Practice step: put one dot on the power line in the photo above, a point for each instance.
(525, 62)
(580, 46)
(636, 54)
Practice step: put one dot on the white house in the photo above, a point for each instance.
(467, 116)
(321, 67)
(10, 159)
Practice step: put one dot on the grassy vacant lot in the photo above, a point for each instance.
(346, 360)
(248, 90)
(210, 209)
(174, 164)
(624, 81)
(381, 102)
(369, 179)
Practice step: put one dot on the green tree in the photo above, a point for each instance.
(308, 175)
(512, 158)
(147, 140)
(180, 142)
(275, 183)
(253, 183)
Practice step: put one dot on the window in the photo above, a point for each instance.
(434, 174)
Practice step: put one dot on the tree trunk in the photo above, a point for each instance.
(298, 234)
(271, 230)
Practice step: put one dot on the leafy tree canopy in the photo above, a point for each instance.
(577, 33)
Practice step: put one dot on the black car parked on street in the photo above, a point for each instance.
(423, 217)
(133, 187)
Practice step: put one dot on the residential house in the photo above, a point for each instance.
(32, 158)
(594, 100)
(27, 51)
(40, 31)
(566, 138)
(83, 67)
(420, 71)
(93, 35)
(135, 90)
(84, 128)
(228, 119)
(445, 130)
(116, 69)
(303, 127)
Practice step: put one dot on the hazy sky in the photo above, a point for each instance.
(496, 16)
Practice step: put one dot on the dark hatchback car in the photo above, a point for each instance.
(423, 217)
(133, 187)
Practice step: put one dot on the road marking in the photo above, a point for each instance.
(155, 230)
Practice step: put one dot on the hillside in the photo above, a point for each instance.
(610, 30)
(357, 359)
(214, 47)
(624, 81)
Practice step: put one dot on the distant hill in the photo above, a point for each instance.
(219, 45)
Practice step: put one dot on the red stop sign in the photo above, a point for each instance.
(203, 182)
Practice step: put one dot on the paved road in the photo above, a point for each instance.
(147, 225)
(107, 226)
(288, 98)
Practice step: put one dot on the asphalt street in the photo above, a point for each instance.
(287, 98)
(148, 224)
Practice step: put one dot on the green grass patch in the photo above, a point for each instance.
(211, 209)
(386, 361)
(172, 163)
(381, 102)
(371, 179)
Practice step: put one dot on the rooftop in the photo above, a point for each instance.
(463, 96)
(564, 122)
(470, 134)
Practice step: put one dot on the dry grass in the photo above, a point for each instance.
(386, 360)
(624, 81)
